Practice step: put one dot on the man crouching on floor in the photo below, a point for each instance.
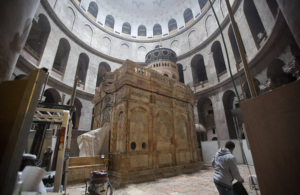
(226, 169)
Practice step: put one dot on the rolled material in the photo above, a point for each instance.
(32, 177)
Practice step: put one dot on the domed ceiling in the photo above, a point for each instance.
(143, 12)
(146, 11)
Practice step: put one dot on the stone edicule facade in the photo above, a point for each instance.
(152, 124)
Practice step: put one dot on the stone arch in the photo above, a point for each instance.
(223, 8)
(163, 130)
(38, 37)
(229, 104)
(52, 96)
(70, 17)
(125, 51)
(254, 22)
(234, 45)
(175, 46)
(193, 41)
(247, 89)
(198, 69)
(103, 67)
(142, 51)
(180, 71)
(62, 56)
(77, 114)
(87, 33)
(106, 45)
(218, 57)
(82, 67)
(210, 24)
(206, 114)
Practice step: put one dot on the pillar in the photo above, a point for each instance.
(15, 23)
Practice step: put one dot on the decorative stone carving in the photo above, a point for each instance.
(106, 116)
(293, 67)
(267, 85)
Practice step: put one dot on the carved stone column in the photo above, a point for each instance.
(15, 23)
(293, 67)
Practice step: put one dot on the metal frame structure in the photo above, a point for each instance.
(57, 116)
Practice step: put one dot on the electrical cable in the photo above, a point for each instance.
(220, 28)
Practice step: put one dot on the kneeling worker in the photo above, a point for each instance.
(226, 169)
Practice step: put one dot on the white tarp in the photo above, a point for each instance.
(94, 143)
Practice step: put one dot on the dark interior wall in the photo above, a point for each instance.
(272, 127)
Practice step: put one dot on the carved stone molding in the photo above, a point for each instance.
(293, 67)
(267, 85)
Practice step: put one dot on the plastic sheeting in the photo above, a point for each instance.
(94, 143)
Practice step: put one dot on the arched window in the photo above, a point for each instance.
(82, 68)
(198, 69)
(110, 21)
(234, 45)
(180, 71)
(273, 5)
(52, 96)
(93, 11)
(172, 25)
(188, 15)
(103, 67)
(255, 24)
(157, 30)
(126, 28)
(218, 58)
(202, 4)
(142, 31)
(62, 56)
(37, 38)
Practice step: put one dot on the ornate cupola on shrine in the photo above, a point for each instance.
(163, 60)
(151, 119)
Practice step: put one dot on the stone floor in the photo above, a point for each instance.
(200, 182)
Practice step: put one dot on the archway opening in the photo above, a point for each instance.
(172, 25)
(234, 46)
(38, 36)
(61, 57)
(77, 114)
(202, 4)
(218, 59)
(198, 69)
(103, 67)
(273, 6)
(255, 24)
(180, 71)
(206, 117)
(52, 96)
(157, 30)
(82, 67)
(229, 104)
